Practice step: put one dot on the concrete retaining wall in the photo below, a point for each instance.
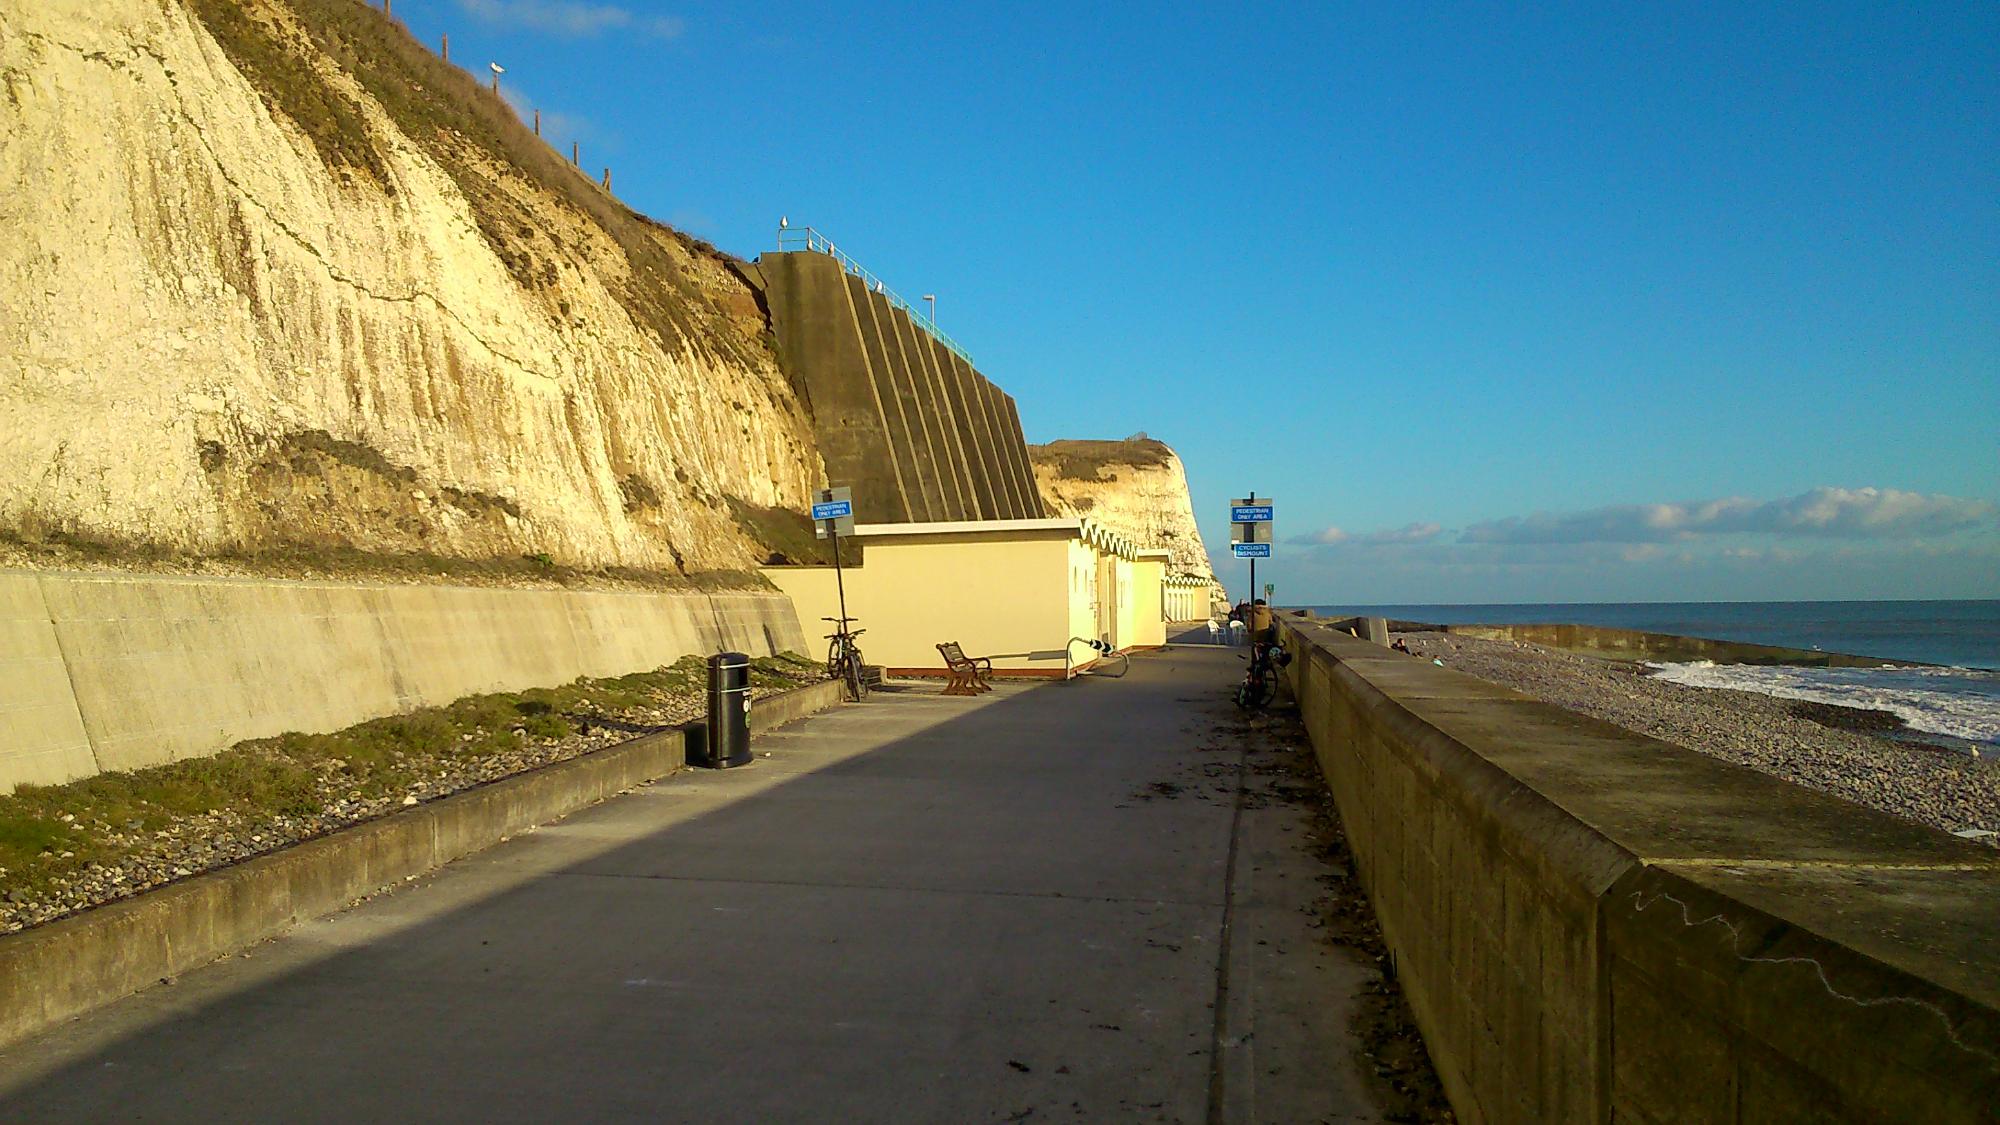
(948, 454)
(1023, 469)
(821, 348)
(1591, 925)
(903, 420)
(904, 409)
(55, 972)
(117, 672)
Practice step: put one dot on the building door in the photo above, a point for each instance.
(1107, 598)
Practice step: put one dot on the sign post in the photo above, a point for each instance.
(833, 514)
(1250, 531)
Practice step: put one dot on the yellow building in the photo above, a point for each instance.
(1188, 598)
(1030, 594)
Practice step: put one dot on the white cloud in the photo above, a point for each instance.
(1408, 533)
(1324, 537)
(1858, 513)
(571, 17)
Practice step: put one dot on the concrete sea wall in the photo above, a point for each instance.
(120, 671)
(906, 422)
(1591, 925)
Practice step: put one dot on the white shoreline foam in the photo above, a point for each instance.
(1960, 703)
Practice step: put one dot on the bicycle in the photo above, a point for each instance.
(1260, 680)
(843, 658)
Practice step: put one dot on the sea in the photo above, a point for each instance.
(1959, 698)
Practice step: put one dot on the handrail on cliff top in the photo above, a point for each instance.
(806, 238)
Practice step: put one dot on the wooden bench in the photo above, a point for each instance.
(970, 675)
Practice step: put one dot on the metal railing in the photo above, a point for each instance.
(806, 238)
(1100, 653)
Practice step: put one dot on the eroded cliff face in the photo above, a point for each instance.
(1135, 487)
(274, 276)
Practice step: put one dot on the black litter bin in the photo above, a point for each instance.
(724, 740)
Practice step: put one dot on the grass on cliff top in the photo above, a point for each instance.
(452, 116)
(53, 548)
(49, 832)
(1076, 459)
(332, 123)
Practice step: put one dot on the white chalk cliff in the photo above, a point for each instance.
(273, 274)
(1136, 487)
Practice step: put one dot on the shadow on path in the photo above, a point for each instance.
(918, 908)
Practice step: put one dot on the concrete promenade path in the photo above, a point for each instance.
(1027, 906)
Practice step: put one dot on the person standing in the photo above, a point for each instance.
(1260, 622)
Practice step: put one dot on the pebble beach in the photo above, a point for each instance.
(1832, 751)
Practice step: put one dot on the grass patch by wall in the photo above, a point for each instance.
(95, 839)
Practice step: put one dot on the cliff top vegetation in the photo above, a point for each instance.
(283, 48)
(1086, 459)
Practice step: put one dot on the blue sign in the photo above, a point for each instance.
(1251, 550)
(1250, 513)
(833, 509)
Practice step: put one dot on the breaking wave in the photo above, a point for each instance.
(1958, 702)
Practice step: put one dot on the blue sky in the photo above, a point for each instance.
(1498, 303)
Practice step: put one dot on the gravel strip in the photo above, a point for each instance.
(1940, 788)
(201, 842)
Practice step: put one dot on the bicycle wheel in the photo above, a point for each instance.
(1269, 690)
(834, 663)
(857, 684)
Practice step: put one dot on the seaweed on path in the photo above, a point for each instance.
(1391, 1050)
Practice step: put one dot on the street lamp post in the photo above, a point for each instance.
(931, 300)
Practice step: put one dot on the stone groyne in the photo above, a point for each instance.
(1634, 645)
(1594, 925)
